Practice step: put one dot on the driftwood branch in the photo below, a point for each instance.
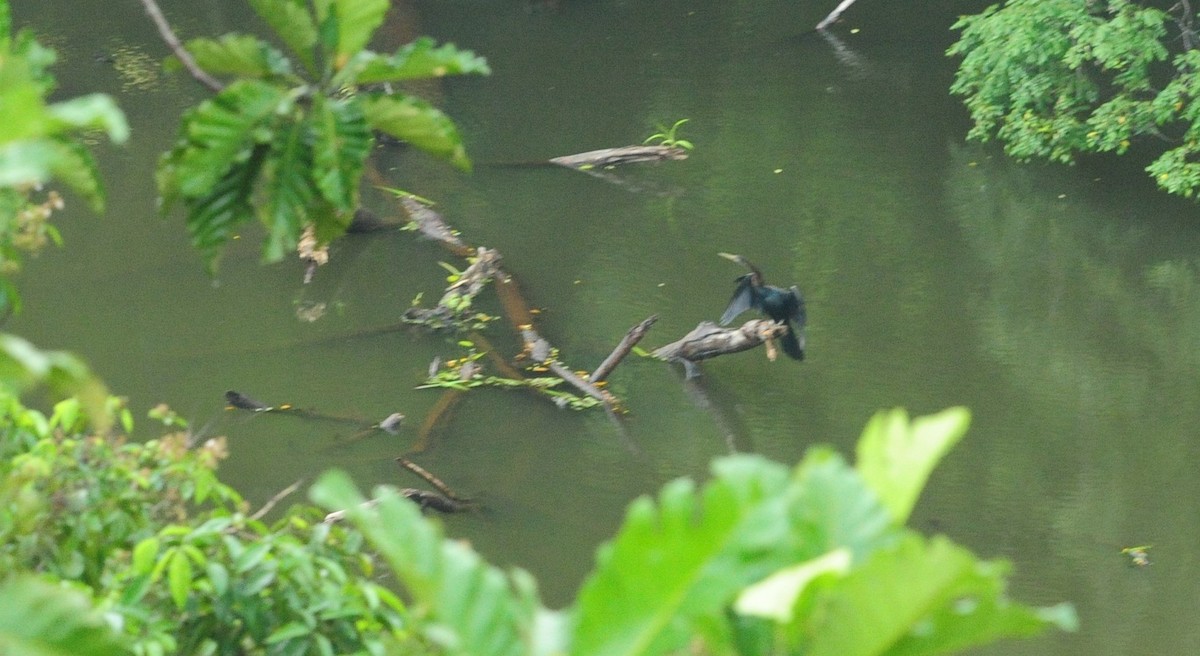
(168, 35)
(617, 156)
(833, 15)
(708, 340)
(431, 479)
(430, 224)
(623, 348)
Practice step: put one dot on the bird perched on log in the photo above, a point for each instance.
(784, 306)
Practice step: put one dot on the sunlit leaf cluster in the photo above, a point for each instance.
(153, 538)
(41, 142)
(1056, 78)
(759, 560)
(286, 140)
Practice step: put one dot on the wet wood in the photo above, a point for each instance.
(833, 15)
(431, 479)
(607, 157)
(623, 348)
(430, 224)
(469, 284)
(708, 340)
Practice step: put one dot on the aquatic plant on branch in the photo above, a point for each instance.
(760, 560)
(286, 140)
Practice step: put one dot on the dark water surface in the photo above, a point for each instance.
(1062, 305)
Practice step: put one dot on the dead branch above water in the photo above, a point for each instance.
(708, 340)
(608, 157)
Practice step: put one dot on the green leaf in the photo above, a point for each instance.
(895, 457)
(291, 20)
(357, 20)
(288, 631)
(179, 578)
(39, 619)
(212, 218)
(93, 111)
(341, 143)
(222, 132)
(775, 597)
(421, 59)
(287, 191)
(472, 608)
(921, 598)
(238, 54)
(417, 122)
(73, 164)
(144, 555)
(685, 558)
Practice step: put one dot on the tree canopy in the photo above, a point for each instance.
(1057, 78)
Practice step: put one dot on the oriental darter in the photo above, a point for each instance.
(785, 306)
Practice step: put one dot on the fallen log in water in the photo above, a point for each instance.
(607, 157)
(708, 340)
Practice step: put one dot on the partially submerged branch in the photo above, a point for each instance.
(454, 308)
(623, 348)
(708, 340)
(833, 15)
(609, 157)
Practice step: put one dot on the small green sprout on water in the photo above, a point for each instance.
(667, 137)
(1138, 556)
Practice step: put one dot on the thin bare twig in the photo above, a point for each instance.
(168, 35)
(276, 499)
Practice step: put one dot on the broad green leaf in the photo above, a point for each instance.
(421, 59)
(22, 99)
(87, 112)
(224, 131)
(836, 509)
(357, 20)
(144, 555)
(684, 558)
(73, 164)
(775, 596)
(40, 619)
(238, 54)
(341, 143)
(26, 162)
(179, 577)
(895, 456)
(417, 122)
(471, 607)
(291, 20)
(5, 24)
(919, 598)
(287, 191)
(212, 219)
